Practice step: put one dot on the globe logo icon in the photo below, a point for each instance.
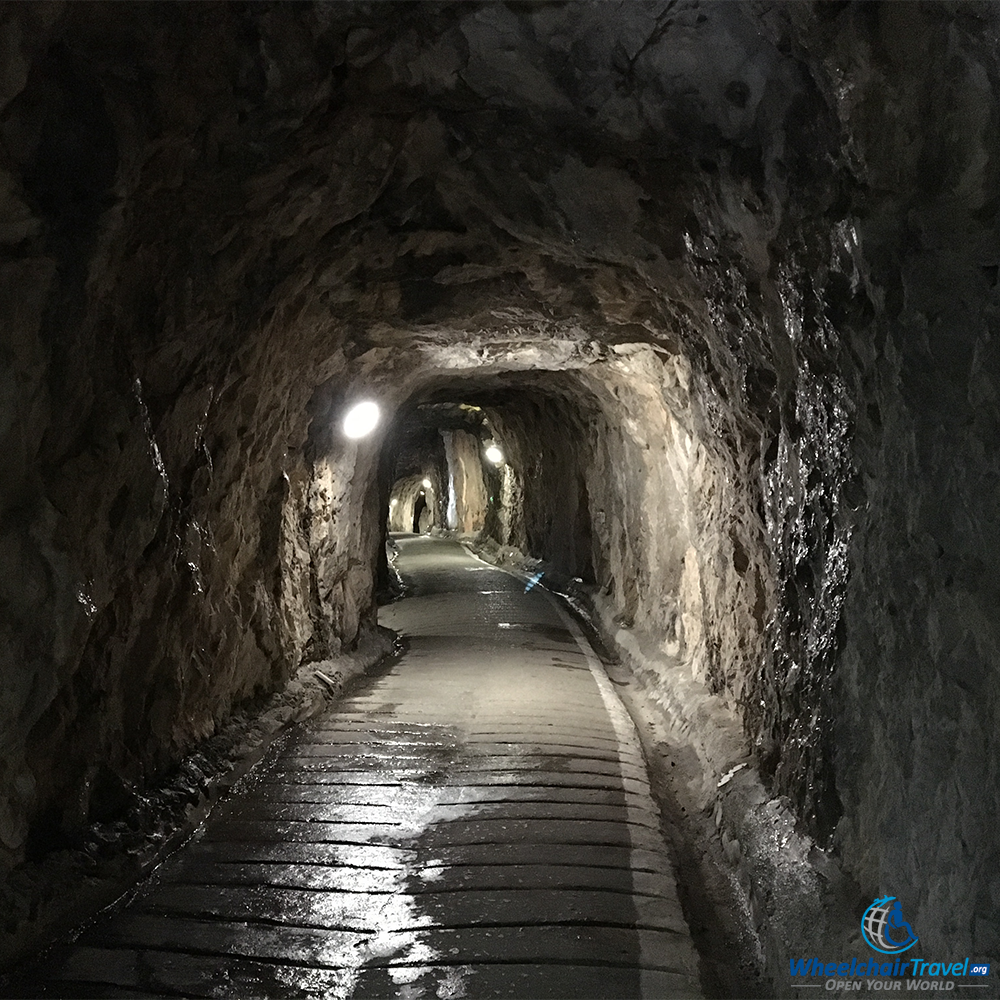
(884, 928)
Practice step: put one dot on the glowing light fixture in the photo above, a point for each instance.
(426, 484)
(361, 419)
(494, 454)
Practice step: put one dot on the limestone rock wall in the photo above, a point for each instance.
(619, 492)
(467, 500)
(738, 262)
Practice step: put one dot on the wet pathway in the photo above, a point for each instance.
(474, 820)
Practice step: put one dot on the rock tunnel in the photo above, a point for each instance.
(719, 281)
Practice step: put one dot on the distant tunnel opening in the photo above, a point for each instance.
(516, 459)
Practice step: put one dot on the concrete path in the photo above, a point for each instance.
(473, 821)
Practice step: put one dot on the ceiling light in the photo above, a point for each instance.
(361, 419)
(426, 483)
(494, 454)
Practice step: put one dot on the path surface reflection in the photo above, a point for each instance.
(474, 820)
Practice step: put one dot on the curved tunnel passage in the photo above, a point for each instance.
(719, 278)
(574, 450)
(473, 818)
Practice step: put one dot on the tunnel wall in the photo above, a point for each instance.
(874, 706)
(917, 683)
(467, 499)
(546, 451)
(181, 553)
(661, 524)
(920, 725)
(159, 517)
(208, 211)
(169, 576)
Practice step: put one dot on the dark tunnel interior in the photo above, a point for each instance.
(691, 306)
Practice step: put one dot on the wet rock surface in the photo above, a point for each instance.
(473, 819)
(54, 891)
(723, 275)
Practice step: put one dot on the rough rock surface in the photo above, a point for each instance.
(136, 829)
(722, 276)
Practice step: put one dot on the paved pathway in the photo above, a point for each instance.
(473, 821)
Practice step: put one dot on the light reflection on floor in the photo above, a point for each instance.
(470, 821)
(398, 923)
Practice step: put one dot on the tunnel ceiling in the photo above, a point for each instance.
(492, 174)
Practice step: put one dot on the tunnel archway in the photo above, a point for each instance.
(558, 427)
(418, 509)
(748, 255)
(560, 434)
